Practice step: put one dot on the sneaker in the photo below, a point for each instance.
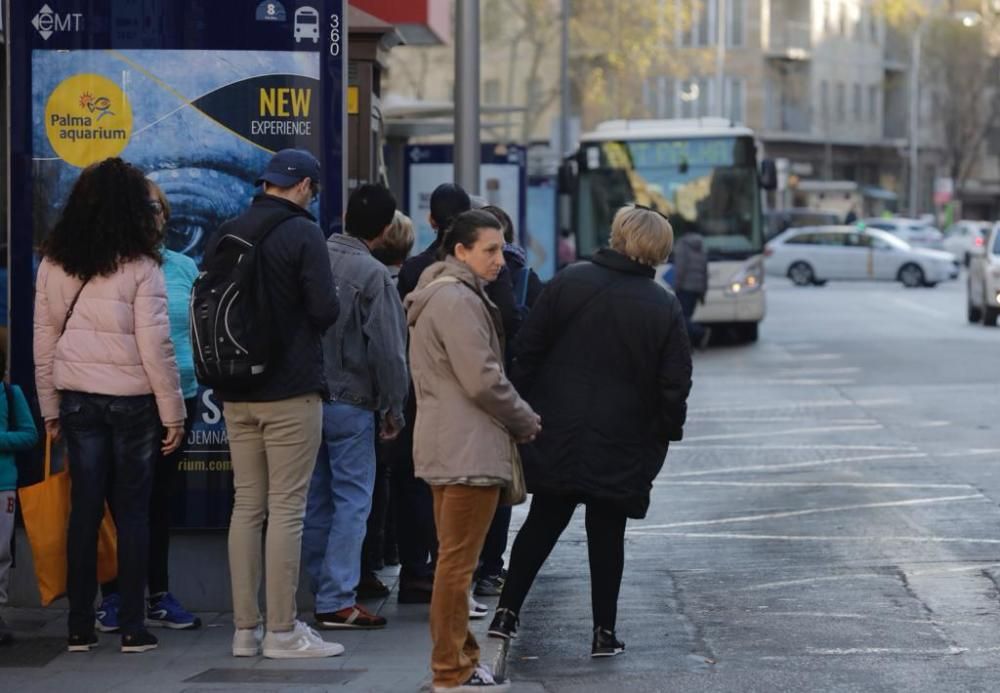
(143, 641)
(165, 611)
(81, 643)
(481, 679)
(477, 610)
(504, 625)
(606, 644)
(371, 587)
(107, 614)
(355, 617)
(489, 586)
(246, 641)
(298, 643)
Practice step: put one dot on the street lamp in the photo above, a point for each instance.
(967, 20)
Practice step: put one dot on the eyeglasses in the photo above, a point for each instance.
(156, 206)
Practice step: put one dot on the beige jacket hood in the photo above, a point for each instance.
(467, 409)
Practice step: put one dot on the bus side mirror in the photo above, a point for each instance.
(768, 174)
(567, 178)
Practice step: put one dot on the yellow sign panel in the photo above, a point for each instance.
(352, 101)
(88, 119)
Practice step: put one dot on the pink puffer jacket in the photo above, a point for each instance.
(117, 341)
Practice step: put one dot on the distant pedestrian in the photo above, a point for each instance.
(162, 608)
(611, 410)
(851, 216)
(365, 365)
(107, 379)
(470, 417)
(691, 282)
(275, 424)
(17, 433)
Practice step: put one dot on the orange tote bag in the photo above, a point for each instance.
(45, 508)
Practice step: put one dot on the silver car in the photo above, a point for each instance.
(812, 256)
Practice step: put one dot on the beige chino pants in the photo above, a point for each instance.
(274, 447)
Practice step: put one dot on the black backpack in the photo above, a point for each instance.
(231, 317)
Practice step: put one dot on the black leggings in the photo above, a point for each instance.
(546, 520)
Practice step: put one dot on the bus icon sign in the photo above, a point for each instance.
(306, 24)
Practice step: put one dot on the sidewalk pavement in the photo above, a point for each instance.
(395, 658)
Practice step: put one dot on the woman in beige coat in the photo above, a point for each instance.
(469, 417)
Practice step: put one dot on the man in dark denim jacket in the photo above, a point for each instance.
(364, 357)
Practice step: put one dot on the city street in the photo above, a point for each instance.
(829, 523)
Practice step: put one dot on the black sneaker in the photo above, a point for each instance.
(606, 644)
(504, 625)
(81, 643)
(489, 586)
(481, 680)
(143, 641)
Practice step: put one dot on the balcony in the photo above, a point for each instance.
(790, 40)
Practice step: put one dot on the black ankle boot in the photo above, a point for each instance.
(606, 644)
(504, 625)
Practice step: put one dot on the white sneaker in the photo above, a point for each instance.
(246, 641)
(300, 642)
(477, 610)
(481, 680)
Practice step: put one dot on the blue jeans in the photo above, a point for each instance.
(116, 437)
(340, 498)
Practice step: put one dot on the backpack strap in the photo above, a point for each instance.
(523, 279)
(72, 307)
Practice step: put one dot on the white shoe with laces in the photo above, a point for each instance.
(298, 643)
(481, 680)
(246, 641)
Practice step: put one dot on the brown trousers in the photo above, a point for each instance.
(462, 515)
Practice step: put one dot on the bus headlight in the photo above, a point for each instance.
(747, 280)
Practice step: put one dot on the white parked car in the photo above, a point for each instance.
(984, 280)
(963, 238)
(818, 254)
(915, 232)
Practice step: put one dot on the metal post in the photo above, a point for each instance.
(720, 59)
(467, 95)
(564, 80)
(916, 45)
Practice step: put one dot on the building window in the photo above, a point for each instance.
(857, 102)
(824, 100)
(735, 88)
(701, 32)
(491, 91)
(873, 92)
(737, 20)
(843, 19)
(666, 106)
(841, 102)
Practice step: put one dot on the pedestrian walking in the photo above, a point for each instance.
(611, 410)
(469, 417)
(17, 433)
(107, 380)
(691, 282)
(365, 366)
(275, 418)
(527, 286)
(162, 608)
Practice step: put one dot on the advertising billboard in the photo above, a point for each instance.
(197, 93)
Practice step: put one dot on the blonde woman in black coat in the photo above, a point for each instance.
(604, 359)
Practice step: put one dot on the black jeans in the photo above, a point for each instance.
(414, 509)
(689, 301)
(491, 557)
(108, 435)
(164, 477)
(546, 520)
(373, 550)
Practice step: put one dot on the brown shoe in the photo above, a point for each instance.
(354, 617)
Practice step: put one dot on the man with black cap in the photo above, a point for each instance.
(275, 428)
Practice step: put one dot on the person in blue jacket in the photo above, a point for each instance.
(162, 608)
(17, 433)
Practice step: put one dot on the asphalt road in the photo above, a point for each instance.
(829, 523)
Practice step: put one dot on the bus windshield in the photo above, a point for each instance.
(708, 185)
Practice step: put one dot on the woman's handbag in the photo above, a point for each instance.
(514, 491)
(45, 508)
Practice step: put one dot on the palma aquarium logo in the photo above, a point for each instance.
(88, 119)
(100, 105)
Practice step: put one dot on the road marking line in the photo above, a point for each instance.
(815, 537)
(813, 511)
(786, 432)
(970, 453)
(776, 419)
(809, 484)
(847, 651)
(819, 446)
(799, 465)
(866, 576)
(807, 381)
(798, 405)
(818, 371)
